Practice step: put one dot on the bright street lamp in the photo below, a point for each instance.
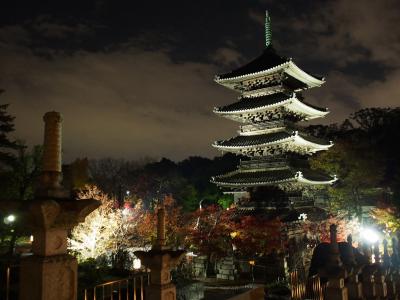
(9, 219)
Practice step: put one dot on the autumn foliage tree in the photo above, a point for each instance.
(219, 232)
(107, 229)
(175, 221)
(257, 236)
(319, 231)
(209, 231)
(387, 217)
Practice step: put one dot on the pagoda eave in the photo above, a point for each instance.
(294, 143)
(236, 79)
(289, 67)
(292, 105)
(304, 180)
(298, 179)
(312, 81)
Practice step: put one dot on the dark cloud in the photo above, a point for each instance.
(128, 103)
(136, 80)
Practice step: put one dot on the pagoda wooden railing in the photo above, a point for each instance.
(276, 125)
(263, 163)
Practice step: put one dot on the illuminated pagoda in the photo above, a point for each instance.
(275, 148)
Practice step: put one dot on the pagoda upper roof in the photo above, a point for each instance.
(269, 62)
(254, 178)
(268, 102)
(269, 139)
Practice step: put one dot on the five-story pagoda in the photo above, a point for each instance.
(275, 170)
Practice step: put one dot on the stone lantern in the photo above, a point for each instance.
(160, 260)
(336, 273)
(50, 273)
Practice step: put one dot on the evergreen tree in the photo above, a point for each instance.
(6, 144)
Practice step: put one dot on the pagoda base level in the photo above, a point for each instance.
(161, 292)
(268, 198)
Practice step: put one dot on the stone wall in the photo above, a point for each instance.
(199, 266)
(227, 269)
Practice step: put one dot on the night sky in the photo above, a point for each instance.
(135, 78)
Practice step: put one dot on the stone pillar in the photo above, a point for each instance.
(336, 274)
(366, 249)
(353, 284)
(161, 226)
(51, 176)
(396, 249)
(52, 142)
(377, 254)
(380, 285)
(368, 283)
(334, 254)
(380, 274)
(160, 260)
(386, 257)
(396, 282)
(50, 273)
(391, 287)
(395, 254)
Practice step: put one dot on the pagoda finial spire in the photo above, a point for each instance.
(268, 32)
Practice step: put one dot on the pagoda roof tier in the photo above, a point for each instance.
(272, 143)
(268, 63)
(285, 177)
(245, 108)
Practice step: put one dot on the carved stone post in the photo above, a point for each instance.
(368, 283)
(334, 254)
(160, 260)
(386, 256)
(50, 273)
(336, 289)
(353, 284)
(161, 227)
(380, 274)
(395, 254)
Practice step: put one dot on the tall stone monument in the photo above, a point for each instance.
(50, 273)
(160, 260)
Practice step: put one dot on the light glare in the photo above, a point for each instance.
(370, 235)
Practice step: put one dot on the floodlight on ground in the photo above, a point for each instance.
(137, 263)
(370, 235)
